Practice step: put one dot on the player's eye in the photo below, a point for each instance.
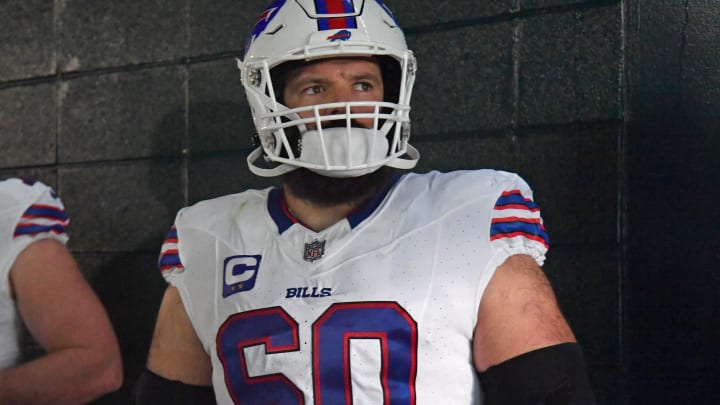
(312, 90)
(363, 86)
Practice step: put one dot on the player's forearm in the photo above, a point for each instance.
(70, 376)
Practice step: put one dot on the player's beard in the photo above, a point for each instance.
(326, 191)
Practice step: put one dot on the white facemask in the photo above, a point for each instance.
(344, 147)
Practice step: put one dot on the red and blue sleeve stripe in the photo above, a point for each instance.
(40, 218)
(169, 255)
(515, 215)
(522, 227)
(515, 200)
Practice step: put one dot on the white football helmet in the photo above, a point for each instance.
(306, 30)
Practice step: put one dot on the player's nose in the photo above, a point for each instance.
(338, 94)
(343, 93)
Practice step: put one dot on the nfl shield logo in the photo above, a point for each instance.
(314, 250)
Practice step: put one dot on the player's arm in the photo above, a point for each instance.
(179, 370)
(523, 347)
(63, 314)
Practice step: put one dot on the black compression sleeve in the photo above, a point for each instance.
(152, 389)
(554, 375)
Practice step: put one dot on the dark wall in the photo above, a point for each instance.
(134, 109)
(673, 192)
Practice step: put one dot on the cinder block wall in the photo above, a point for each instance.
(672, 242)
(134, 109)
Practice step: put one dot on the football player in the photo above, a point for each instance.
(41, 286)
(354, 282)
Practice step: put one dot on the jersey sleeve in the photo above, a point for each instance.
(44, 217)
(169, 261)
(516, 224)
(184, 265)
(29, 211)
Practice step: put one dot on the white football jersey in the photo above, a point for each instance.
(29, 211)
(380, 308)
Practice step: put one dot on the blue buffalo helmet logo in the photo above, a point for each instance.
(342, 35)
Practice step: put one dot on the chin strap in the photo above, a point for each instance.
(413, 155)
(278, 170)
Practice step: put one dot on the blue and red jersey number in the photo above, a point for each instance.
(386, 322)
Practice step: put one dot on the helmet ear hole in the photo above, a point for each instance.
(280, 75)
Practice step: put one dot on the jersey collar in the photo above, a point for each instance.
(284, 219)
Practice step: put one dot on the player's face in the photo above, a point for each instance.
(335, 80)
(329, 81)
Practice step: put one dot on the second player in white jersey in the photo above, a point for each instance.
(43, 292)
(29, 211)
(379, 308)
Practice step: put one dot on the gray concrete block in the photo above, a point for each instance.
(587, 285)
(600, 64)
(586, 281)
(216, 176)
(422, 12)
(547, 82)
(98, 34)
(700, 66)
(26, 39)
(130, 287)
(121, 207)
(491, 152)
(28, 119)
(48, 176)
(574, 175)
(598, 177)
(223, 25)
(219, 116)
(125, 115)
(570, 67)
(464, 80)
(539, 4)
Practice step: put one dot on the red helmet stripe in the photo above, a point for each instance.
(335, 7)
